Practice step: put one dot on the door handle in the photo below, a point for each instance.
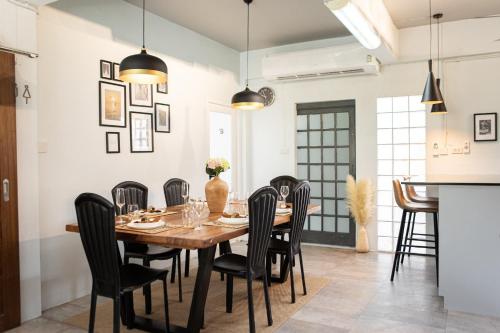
(6, 190)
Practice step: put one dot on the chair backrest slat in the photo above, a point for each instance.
(173, 191)
(289, 181)
(96, 222)
(262, 211)
(301, 199)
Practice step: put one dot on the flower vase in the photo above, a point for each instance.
(216, 191)
(362, 244)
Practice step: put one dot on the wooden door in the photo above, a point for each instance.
(9, 239)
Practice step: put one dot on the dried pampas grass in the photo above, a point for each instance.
(360, 199)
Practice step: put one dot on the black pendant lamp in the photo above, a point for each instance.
(247, 99)
(431, 94)
(143, 67)
(439, 108)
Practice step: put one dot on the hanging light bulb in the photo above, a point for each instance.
(431, 94)
(247, 99)
(439, 108)
(143, 67)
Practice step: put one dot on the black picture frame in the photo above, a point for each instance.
(101, 70)
(491, 128)
(116, 72)
(132, 92)
(108, 150)
(123, 101)
(131, 115)
(160, 91)
(157, 119)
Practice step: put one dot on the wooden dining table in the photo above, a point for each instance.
(204, 240)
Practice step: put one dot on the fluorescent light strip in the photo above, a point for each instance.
(356, 22)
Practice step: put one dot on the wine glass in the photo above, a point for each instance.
(185, 192)
(132, 211)
(120, 201)
(284, 191)
(198, 208)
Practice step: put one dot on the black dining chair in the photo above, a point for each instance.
(292, 247)
(173, 197)
(283, 229)
(261, 210)
(137, 193)
(111, 278)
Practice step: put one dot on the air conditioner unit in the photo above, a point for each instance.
(337, 61)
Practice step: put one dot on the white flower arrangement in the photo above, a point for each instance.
(216, 166)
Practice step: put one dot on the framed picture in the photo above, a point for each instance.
(162, 118)
(162, 88)
(106, 70)
(112, 109)
(141, 132)
(485, 126)
(116, 72)
(112, 142)
(141, 95)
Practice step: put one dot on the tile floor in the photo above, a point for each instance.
(359, 298)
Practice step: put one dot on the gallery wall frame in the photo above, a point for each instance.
(112, 104)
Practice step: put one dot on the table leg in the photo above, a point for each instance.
(196, 314)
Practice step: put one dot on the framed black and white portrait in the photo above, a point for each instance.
(112, 109)
(162, 118)
(106, 70)
(112, 142)
(141, 132)
(162, 88)
(485, 126)
(141, 95)
(116, 72)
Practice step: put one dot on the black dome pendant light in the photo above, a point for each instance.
(431, 94)
(143, 67)
(439, 108)
(247, 99)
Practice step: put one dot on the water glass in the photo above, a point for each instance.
(133, 211)
(187, 217)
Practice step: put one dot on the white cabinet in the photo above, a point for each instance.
(17, 27)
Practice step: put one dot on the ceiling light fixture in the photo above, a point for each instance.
(439, 108)
(431, 94)
(143, 67)
(355, 21)
(247, 99)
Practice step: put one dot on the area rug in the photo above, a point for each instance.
(216, 318)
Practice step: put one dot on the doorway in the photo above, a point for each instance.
(221, 137)
(326, 154)
(9, 235)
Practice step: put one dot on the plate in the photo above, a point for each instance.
(283, 211)
(233, 220)
(146, 226)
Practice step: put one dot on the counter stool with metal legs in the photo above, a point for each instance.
(412, 195)
(409, 209)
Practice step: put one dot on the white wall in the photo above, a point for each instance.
(18, 30)
(272, 131)
(72, 40)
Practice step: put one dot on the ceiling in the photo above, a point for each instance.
(411, 13)
(280, 22)
(273, 22)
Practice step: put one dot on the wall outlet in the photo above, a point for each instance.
(457, 150)
(435, 149)
(467, 147)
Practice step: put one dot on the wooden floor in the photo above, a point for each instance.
(358, 298)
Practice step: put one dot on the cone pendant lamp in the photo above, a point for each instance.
(247, 99)
(439, 108)
(431, 94)
(143, 67)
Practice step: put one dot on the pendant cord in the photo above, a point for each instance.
(430, 29)
(439, 46)
(143, 20)
(248, 37)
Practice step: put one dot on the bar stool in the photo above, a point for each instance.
(409, 209)
(414, 197)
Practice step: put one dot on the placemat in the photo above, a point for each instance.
(232, 226)
(124, 227)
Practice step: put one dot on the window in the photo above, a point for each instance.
(401, 137)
